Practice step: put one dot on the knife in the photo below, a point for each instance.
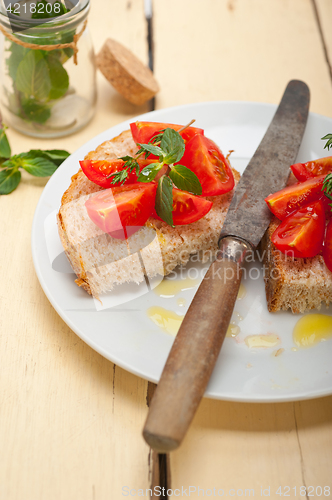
(196, 347)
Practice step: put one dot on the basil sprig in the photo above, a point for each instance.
(36, 162)
(168, 146)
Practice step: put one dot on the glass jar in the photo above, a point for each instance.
(47, 89)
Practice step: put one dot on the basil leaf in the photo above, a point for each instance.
(155, 150)
(32, 77)
(9, 180)
(173, 145)
(39, 167)
(164, 200)
(149, 172)
(57, 156)
(185, 179)
(5, 151)
(59, 78)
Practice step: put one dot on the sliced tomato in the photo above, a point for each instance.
(327, 248)
(187, 208)
(122, 210)
(206, 160)
(143, 132)
(305, 171)
(301, 234)
(291, 198)
(99, 171)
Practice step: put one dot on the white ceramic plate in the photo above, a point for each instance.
(122, 331)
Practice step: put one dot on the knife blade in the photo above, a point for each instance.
(197, 345)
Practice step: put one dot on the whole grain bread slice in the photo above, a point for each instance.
(293, 283)
(100, 261)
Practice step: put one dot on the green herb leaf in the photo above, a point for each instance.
(33, 77)
(17, 53)
(149, 148)
(158, 137)
(164, 199)
(9, 180)
(33, 111)
(119, 177)
(39, 167)
(173, 145)
(59, 78)
(328, 138)
(130, 163)
(327, 186)
(57, 156)
(5, 150)
(185, 179)
(149, 172)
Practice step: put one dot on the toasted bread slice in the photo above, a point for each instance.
(294, 283)
(101, 261)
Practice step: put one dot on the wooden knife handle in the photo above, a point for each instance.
(195, 350)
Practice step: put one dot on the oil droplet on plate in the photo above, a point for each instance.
(237, 316)
(233, 330)
(168, 288)
(167, 320)
(312, 329)
(242, 292)
(181, 302)
(268, 340)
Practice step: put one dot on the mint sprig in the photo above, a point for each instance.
(168, 146)
(38, 77)
(36, 162)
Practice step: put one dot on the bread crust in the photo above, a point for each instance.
(173, 246)
(294, 283)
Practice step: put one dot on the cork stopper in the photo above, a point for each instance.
(128, 75)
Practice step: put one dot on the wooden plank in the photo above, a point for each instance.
(70, 422)
(240, 50)
(324, 11)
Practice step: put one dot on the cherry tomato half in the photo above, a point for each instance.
(305, 171)
(291, 198)
(187, 208)
(206, 160)
(98, 171)
(327, 248)
(301, 234)
(142, 132)
(122, 210)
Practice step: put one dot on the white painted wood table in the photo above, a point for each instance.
(70, 421)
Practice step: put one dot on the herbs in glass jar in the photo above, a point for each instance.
(45, 94)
